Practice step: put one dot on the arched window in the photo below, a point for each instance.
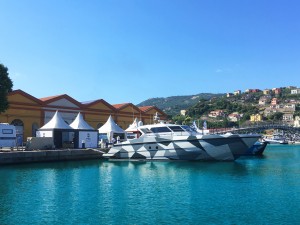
(17, 122)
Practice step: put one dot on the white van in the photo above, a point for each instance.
(8, 135)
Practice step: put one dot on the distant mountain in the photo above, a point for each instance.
(172, 105)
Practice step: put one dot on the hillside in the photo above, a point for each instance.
(172, 105)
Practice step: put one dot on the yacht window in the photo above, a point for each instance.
(160, 129)
(146, 130)
(187, 128)
(176, 128)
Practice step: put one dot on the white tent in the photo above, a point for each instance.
(57, 122)
(80, 123)
(62, 134)
(110, 127)
(85, 134)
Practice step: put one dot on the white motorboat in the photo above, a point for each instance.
(180, 142)
(275, 139)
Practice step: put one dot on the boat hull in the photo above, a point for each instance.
(257, 149)
(203, 148)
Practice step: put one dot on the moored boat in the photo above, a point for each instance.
(275, 140)
(180, 142)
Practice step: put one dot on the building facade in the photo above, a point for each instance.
(29, 113)
(295, 91)
(256, 118)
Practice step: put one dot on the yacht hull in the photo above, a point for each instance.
(203, 148)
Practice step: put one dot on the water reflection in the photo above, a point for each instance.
(102, 192)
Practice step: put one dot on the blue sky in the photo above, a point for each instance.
(132, 50)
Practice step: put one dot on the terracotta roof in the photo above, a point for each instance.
(118, 106)
(50, 97)
(145, 108)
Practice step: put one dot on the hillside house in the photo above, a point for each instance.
(229, 95)
(290, 106)
(267, 91)
(183, 112)
(237, 92)
(256, 118)
(264, 100)
(216, 113)
(276, 91)
(287, 117)
(274, 101)
(269, 111)
(253, 90)
(297, 121)
(234, 117)
(295, 91)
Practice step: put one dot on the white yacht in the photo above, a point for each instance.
(179, 142)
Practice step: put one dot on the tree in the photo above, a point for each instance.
(5, 87)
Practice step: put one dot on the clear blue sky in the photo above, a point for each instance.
(132, 50)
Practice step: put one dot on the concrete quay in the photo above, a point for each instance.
(16, 157)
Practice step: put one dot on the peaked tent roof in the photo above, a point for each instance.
(79, 123)
(56, 122)
(110, 126)
(133, 127)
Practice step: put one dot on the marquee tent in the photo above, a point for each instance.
(80, 123)
(63, 135)
(56, 122)
(84, 134)
(111, 129)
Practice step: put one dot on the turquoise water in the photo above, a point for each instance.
(263, 190)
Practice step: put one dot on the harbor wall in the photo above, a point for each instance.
(48, 156)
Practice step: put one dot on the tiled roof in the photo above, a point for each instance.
(50, 97)
(118, 106)
(145, 108)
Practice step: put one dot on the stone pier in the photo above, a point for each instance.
(48, 155)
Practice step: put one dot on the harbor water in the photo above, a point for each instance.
(251, 190)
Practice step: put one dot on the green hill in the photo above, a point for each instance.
(172, 105)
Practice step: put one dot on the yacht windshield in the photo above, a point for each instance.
(160, 129)
(187, 128)
(176, 128)
(145, 130)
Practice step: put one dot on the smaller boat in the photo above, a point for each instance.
(275, 140)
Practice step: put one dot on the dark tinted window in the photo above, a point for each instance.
(145, 130)
(160, 129)
(176, 128)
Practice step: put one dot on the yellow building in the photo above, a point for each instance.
(28, 113)
(256, 118)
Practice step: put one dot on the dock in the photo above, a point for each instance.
(17, 157)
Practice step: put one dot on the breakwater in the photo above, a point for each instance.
(48, 155)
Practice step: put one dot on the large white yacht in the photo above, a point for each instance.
(179, 142)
